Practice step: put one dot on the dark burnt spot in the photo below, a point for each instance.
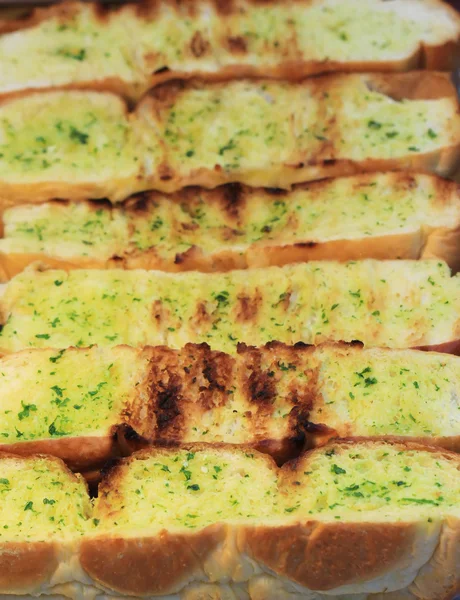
(262, 388)
(110, 466)
(182, 257)
(130, 434)
(167, 401)
(161, 70)
(276, 191)
(199, 45)
(305, 244)
(330, 162)
(266, 229)
(237, 44)
(233, 198)
(139, 202)
(302, 345)
(211, 374)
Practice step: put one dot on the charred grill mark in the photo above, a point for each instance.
(248, 306)
(161, 70)
(201, 315)
(168, 400)
(199, 46)
(237, 44)
(216, 371)
(233, 196)
(210, 373)
(262, 388)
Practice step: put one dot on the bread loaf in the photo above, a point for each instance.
(351, 518)
(381, 215)
(395, 304)
(221, 522)
(261, 133)
(130, 49)
(44, 513)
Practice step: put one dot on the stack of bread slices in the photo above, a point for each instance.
(230, 307)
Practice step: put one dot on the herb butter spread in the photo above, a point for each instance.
(40, 499)
(234, 219)
(51, 393)
(191, 489)
(396, 304)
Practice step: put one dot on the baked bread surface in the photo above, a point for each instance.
(255, 132)
(395, 304)
(413, 216)
(89, 405)
(130, 49)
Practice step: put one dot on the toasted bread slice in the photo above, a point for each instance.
(383, 215)
(396, 304)
(54, 154)
(285, 133)
(277, 399)
(90, 404)
(127, 50)
(379, 515)
(45, 511)
(382, 393)
(265, 133)
(69, 403)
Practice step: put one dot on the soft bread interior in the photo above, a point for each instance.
(262, 133)
(69, 132)
(191, 489)
(382, 303)
(41, 500)
(187, 230)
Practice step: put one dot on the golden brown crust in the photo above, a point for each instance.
(452, 347)
(158, 565)
(324, 556)
(79, 453)
(25, 566)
